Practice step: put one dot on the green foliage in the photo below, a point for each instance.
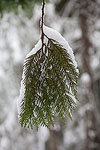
(50, 85)
(12, 5)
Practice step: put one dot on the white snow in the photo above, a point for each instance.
(35, 49)
(73, 97)
(53, 34)
(22, 92)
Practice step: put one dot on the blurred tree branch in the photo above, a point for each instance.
(13, 5)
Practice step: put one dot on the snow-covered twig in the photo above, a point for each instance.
(42, 22)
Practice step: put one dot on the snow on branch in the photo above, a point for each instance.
(49, 82)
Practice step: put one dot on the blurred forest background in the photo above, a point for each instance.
(79, 22)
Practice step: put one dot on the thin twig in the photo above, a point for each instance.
(42, 22)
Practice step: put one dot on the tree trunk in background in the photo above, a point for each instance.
(92, 137)
(52, 143)
(87, 10)
(55, 141)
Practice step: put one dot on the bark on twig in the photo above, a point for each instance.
(42, 22)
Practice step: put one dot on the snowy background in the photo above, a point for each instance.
(80, 25)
